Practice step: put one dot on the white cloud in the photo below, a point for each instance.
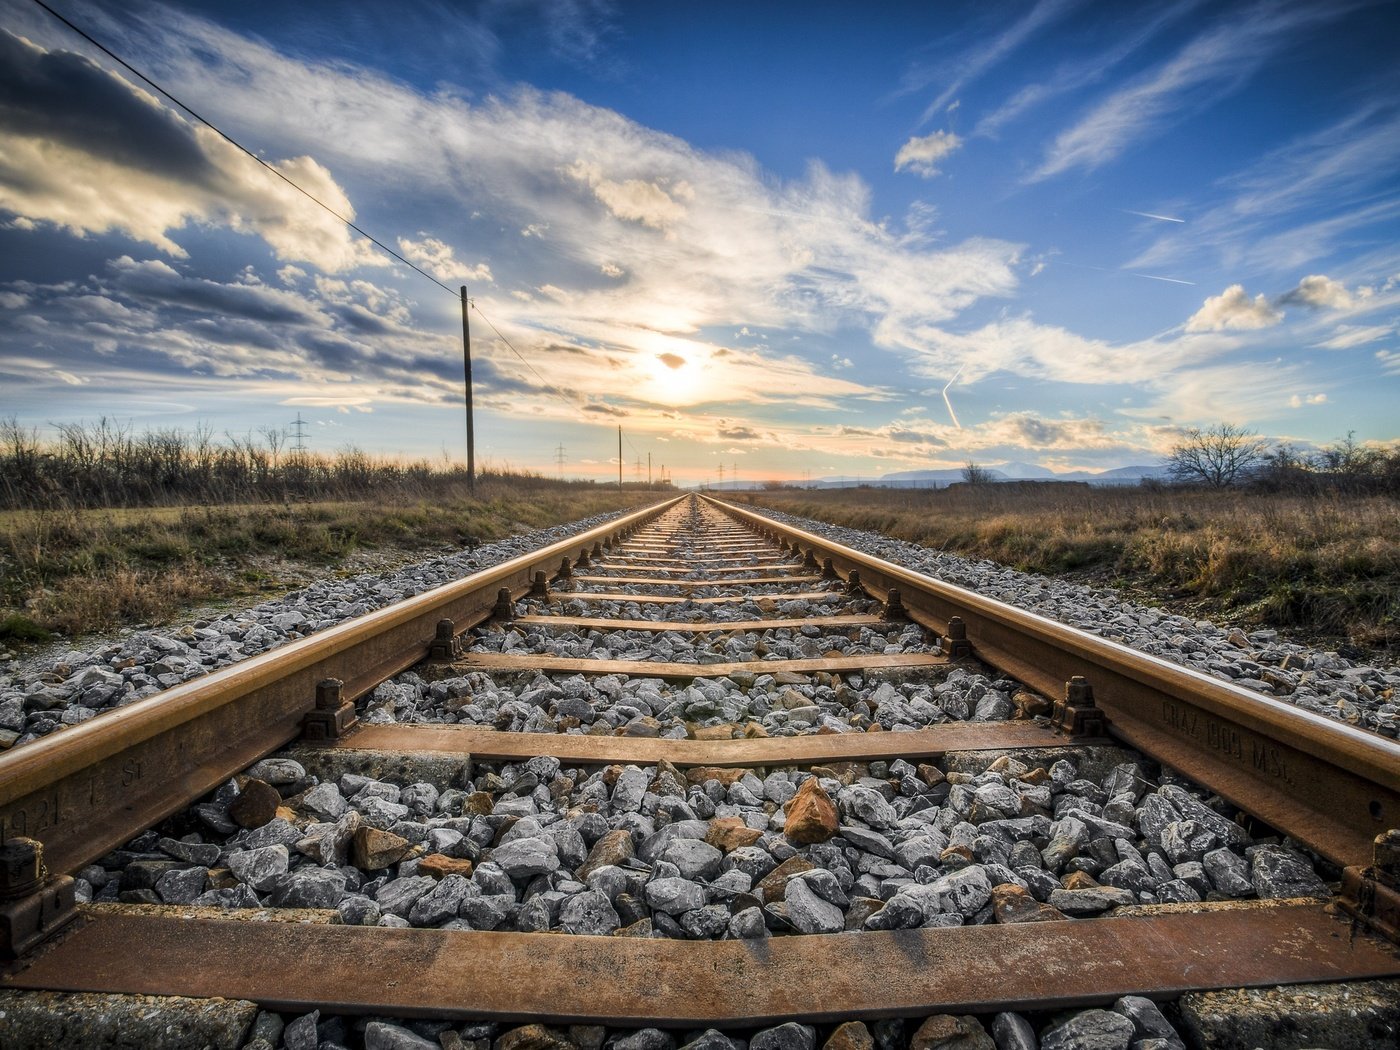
(1233, 309)
(436, 257)
(923, 155)
(1299, 400)
(1217, 62)
(1298, 203)
(124, 162)
(646, 201)
(1320, 291)
(1348, 336)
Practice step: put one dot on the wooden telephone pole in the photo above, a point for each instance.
(467, 364)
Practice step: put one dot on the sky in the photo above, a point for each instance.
(782, 240)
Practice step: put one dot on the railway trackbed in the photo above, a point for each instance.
(696, 769)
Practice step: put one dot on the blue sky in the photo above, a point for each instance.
(796, 238)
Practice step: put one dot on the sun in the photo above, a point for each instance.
(670, 379)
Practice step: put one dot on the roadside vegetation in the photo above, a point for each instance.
(106, 529)
(1310, 546)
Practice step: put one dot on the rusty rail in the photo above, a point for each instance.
(88, 789)
(1329, 785)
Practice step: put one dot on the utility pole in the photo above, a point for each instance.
(467, 380)
(619, 457)
(721, 476)
(559, 460)
(649, 470)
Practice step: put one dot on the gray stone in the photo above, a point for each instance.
(525, 857)
(867, 806)
(260, 868)
(488, 911)
(710, 1039)
(964, 892)
(397, 896)
(300, 1034)
(181, 885)
(358, 910)
(1091, 900)
(675, 895)
(205, 854)
(1090, 1030)
(440, 903)
(1278, 871)
(629, 788)
(326, 801)
(590, 912)
(1148, 1021)
(643, 1039)
(790, 1036)
(380, 1035)
(1184, 840)
(707, 923)
(748, 924)
(808, 912)
(695, 859)
(1013, 1032)
(1228, 872)
(309, 888)
(1069, 837)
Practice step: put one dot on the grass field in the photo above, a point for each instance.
(1324, 568)
(73, 571)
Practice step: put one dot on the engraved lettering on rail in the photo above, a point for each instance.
(34, 818)
(1269, 761)
(131, 773)
(1179, 718)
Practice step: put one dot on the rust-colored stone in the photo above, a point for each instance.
(755, 731)
(373, 849)
(774, 884)
(700, 774)
(1079, 880)
(852, 1035)
(255, 805)
(613, 848)
(478, 804)
(439, 865)
(1012, 904)
(811, 815)
(946, 1032)
(729, 833)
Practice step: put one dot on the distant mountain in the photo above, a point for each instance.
(1011, 471)
(1025, 471)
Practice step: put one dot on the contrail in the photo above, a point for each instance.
(1150, 215)
(1154, 277)
(949, 403)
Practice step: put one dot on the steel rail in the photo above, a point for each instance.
(1327, 784)
(88, 789)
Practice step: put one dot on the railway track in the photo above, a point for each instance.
(749, 779)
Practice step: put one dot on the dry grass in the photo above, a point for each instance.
(73, 571)
(1326, 567)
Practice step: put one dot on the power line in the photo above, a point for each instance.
(305, 193)
(242, 148)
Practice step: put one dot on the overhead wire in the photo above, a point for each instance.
(456, 294)
(244, 149)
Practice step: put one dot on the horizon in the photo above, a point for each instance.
(1060, 233)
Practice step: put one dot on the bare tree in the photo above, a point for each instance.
(975, 475)
(1219, 456)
